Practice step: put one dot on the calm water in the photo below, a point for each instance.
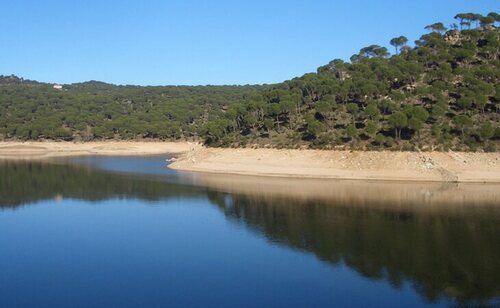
(126, 231)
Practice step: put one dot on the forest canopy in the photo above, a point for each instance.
(441, 93)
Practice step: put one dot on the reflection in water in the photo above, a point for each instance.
(430, 196)
(444, 239)
(26, 182)
(443, 254)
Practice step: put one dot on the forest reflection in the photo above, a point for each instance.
(443, 239)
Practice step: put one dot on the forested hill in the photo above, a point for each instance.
(442, 93)
(96, 110)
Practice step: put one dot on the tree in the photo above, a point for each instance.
(269, 124)
(480, 101)
(373, 51)
(462, 121)
(353, 109)
(215, 130)
(399, 42)
(314, 127)
(487, 21)
(398, 121)
(371, 111)
(495, 16)
(439, 110)
(371, 128)
(462, 18)
(379, 139)
(476, 18)
(436, 27)
(324, 108)
(415, 124)
(466, 19)
(337, 67)
(464, 102)
(418, 112)
(352, 131)
(487, 131)
(274, 110)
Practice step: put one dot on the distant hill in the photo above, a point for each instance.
(14, 80)
(97, 110)
(442, 93)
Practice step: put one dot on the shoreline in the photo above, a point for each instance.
(451, 167)
(454, 167)
(50, 149)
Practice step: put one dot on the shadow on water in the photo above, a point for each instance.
(442, 238)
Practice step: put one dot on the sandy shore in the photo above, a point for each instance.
(47, 149)
(355, 165)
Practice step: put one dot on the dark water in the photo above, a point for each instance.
(126, 231)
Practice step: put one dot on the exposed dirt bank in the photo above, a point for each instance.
(47, 149)
(385, 165)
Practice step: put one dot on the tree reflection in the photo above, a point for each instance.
(25, 182)
(447, 252)
(450, 254)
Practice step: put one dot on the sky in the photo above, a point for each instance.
(193, 42)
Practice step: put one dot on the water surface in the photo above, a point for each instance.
(127, 231)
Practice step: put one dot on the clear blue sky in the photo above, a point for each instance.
(203, 42)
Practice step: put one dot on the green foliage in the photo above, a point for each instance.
(352, 132)
(415, 124)
(314, 127)
(436, 27)
(418, 112)
(486, 132)
(397, 121)
(371, 128)
(372, 111)
(95, 110)
(432, 95)
(324, 107)
(379, 139)
(462, 122)
(399, 42)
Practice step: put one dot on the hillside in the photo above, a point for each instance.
(442, 93)
(96, 110)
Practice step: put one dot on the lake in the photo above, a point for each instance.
(128, 231)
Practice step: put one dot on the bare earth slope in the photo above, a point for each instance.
(385, 165)
(40, 150)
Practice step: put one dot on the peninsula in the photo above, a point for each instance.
(429, 111)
